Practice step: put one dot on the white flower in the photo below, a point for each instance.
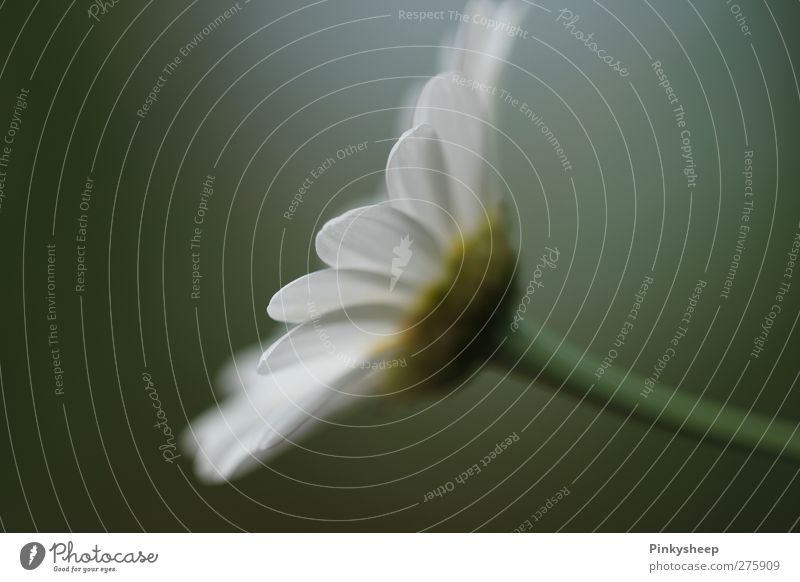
(411, 282)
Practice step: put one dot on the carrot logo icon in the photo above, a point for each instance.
(402, 255)
(31, 555)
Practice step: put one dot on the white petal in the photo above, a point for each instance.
(487, 48)
(417, 181)
(470, 35)
(380, 239)
(499, 44)
(260, 422)
(329, 342)
(234, 457)
(406, 105)
(228, 437)
(240, 371)
(459, 117)
(332, 289)
(230, 431)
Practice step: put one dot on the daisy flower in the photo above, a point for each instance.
(410, 282)
(413, 286)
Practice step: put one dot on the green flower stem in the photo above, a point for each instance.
(537, 353)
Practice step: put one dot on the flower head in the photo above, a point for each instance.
(411, 282)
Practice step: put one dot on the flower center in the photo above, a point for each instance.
(445, 332)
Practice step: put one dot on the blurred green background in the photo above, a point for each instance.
(265, 97)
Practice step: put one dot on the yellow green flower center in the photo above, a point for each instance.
(440, 341)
